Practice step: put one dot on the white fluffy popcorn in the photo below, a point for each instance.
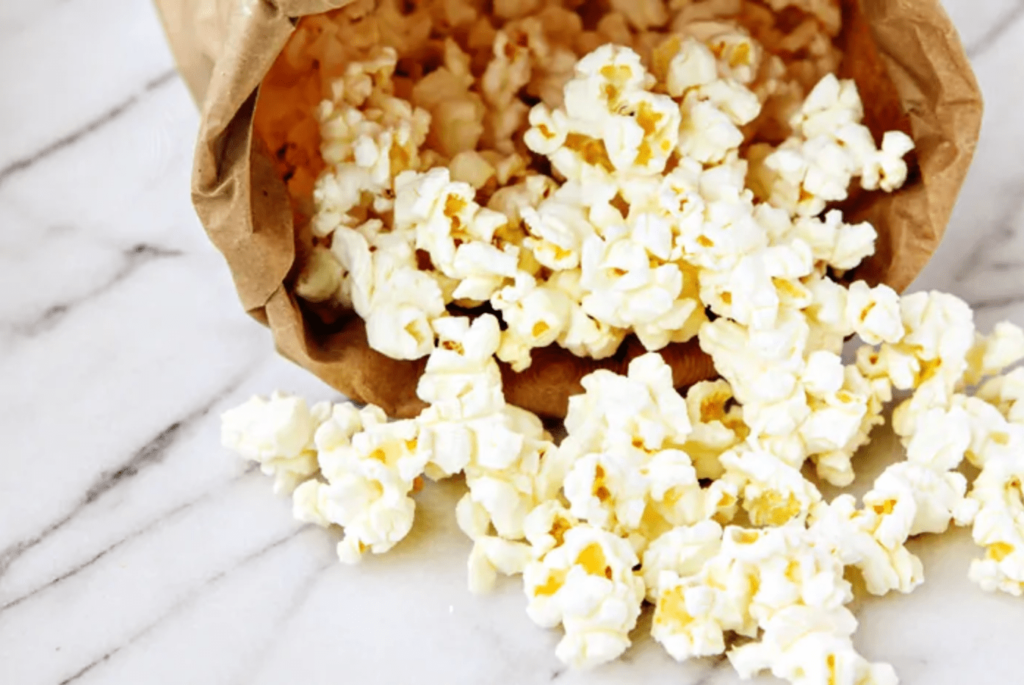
(852, 535)
(757, 580)
(805, 645)
(587, 585)
(636, 196)
(276, 433)
(368, 137)
(774, 492)
(492, 555)
(369, 476)
(468, 427)
(682, 551)
(997, 446)
(830, 147)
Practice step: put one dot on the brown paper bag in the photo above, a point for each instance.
(904, 54)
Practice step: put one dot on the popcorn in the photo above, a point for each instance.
(684, 65)
(690, 619)
(320, 278)
(643, 404)
(997, 525)
(886, 168)
(455, 232)
(462, 384)
(557, 228)
(682, 551)
(491, 555)
(1006, 394)
(913, 499)
(774, 492)
(829, 148)
(605, 490)
(456, 112)
(670, 186)
(585, 336)
(624, 291)
(642, 15)
(278, 435)
(716, 429)
(469, 166)
(851, 533)
(875, 313)
(834, 243)
(755, 577)
(803, 645)
(546, 525)
(398, 301)
(536, 315)
(369, 477)
(993, 354)
(586, 584)
(368, 137)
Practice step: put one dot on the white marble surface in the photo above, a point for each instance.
(134, 550)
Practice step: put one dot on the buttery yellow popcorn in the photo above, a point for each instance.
(587, 585)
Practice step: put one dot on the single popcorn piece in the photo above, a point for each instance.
(1006, 394)
(370, 467)
(886, 168)
(546, 525)
(587, 585)
(774, 492)
(806, 645)
(875, 313)
(682, 551)
(624, 291)
(277, 433)
(321, 278)
(717, 427)
(690, 618)
(642, 15)
(643, 404)
(837, 244)
(993, 354)
(536, 316)
(608, 490)
(851, 533)
(611, 120)
(492, 555)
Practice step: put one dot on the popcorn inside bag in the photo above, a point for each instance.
(372, 108)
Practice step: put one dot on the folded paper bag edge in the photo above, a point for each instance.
(957, 109)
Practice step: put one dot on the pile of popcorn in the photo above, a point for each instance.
(672, 179)
(584, 178)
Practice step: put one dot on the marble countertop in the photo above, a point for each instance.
(133, 549)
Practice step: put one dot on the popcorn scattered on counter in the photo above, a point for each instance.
(668, 173)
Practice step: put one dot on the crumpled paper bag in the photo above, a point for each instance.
(905, 55)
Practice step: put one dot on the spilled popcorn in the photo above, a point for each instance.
(667, 173)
